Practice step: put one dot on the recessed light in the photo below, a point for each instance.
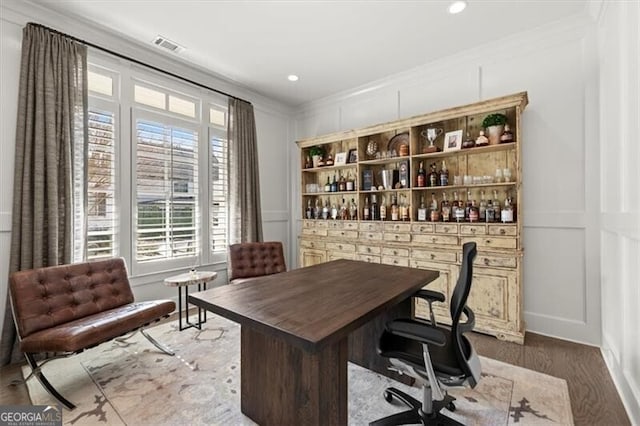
(292, 77)
(457, 7)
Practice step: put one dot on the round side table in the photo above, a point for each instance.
(183, 281)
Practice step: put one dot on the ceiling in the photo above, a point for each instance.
(331, 45)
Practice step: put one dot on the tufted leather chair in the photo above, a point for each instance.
(250, 260)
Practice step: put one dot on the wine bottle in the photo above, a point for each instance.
(422, 176)
(433, 176)
(365, 210)
(395, 211)
(373, 210)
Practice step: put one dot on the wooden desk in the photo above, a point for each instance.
(295, 329)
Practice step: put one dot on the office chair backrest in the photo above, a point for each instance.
(250, 260)
(458, 304)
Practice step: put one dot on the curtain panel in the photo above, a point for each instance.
(245, 215)
(51, 142)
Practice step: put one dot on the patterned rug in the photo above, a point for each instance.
(133, 383)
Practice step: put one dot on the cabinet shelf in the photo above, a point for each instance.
(475, 185)
(469, 151)
(390, 160)
(325, 168)
(329, 193)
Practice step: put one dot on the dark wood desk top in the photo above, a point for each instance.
(318, 305)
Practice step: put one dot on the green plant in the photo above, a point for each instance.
(316, 150)
(494, 120)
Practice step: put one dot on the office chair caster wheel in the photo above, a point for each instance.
(387, 396)
(451, 407)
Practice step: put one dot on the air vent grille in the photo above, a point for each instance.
(165, 43)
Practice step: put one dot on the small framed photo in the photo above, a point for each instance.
(341, 159)
(353, 156)
(453, 141)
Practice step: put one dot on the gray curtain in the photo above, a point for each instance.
(50, 141)
(245, 215)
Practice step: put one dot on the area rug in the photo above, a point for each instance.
(133, 383)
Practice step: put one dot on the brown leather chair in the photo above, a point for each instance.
(250, 260)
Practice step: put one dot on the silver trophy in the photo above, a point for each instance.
(431, 134)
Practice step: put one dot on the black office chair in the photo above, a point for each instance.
(437, 357)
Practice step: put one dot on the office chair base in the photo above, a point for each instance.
(415, 415)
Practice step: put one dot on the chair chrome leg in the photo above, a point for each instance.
(45, 383)
(126, 337)
(157, 344)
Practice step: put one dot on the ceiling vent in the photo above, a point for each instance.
(167, 44)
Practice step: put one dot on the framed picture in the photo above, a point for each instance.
(341, 159)
(453, 141)
(353, 156)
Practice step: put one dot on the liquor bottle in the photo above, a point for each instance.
(444, 175)
(344, 212)
(334, 212)
(309, 211)
(395, 211)
(435, 211)
(467, 208)
(383, 209)
(327, 186)
(496, 206)
(433, 176)
(506, 214)
(459, 211)
(454, 205)
(365, 210)
(353, 210)
(422, 210)
(373, 210)
(490, 212)
(445, 208)
(325, 210)
(317, 211)
(350, 183)
(483, 208)
(334, 184)
(422, 176)
(342, 184)
(474, 212)
(404, 209)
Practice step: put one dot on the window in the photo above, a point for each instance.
(158, 192)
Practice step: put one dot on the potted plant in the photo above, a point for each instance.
(494, 124)
(317, 153)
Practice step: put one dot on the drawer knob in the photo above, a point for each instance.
(486, 261)
(313, 244)
(342, 233)
(340, 246)
(368, 249)
(395, 262)
(421, 228)
(473, 230)
(395, 252)
(433, 256)
(488, 241)
(434, 239)
(396, 237)
(502, 231)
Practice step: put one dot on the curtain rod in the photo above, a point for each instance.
(120, 55)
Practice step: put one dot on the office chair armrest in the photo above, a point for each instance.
(471, 320)
(420, 332)
(434, 296)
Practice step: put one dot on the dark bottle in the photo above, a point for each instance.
(445, 208)
(467, 208)
(342, 184)
(373, 211)
(433, 176)
(365, 210)
(334, 184)
(395, 211)
(422, 177)
(474, 212)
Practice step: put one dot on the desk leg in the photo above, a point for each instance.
(285, 385)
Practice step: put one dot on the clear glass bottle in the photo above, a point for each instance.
(444, 175)
(325, 210)
(334, 212)
(434, 213)
(344, 212)
(445, 208)
(506, 215)
(496, 206)
(395, 210)
(309, 211)
(353, 210)
(483, 208)
(383, 209)
(350, 183)
(404, 209)
(422, 210)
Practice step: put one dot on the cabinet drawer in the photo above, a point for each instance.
(341, 247)
(324, 224)
(509, 230)
(438, 256)
(398, 261)
(371, 236)
(340, 255)
(334, 224)
(370, 226)
(315, 231)
(491, 260)
(350, 225)
(405, 238)
(473, 229)
(395, 251)
(492, 242)
(368, 258)
(312, 244)
(362, 249)
(308, 224)
(341, 233)
(424, 227)
(436, 239)
(447, 228)
(397, 227)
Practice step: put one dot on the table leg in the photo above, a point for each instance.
(283, 384)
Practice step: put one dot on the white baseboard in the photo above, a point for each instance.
(624, 387)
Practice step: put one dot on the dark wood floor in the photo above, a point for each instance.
(594, 399)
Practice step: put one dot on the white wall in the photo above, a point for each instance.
(273, 123)
(557, 66)
(619, 47)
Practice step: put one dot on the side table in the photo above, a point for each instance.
(183, 281)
